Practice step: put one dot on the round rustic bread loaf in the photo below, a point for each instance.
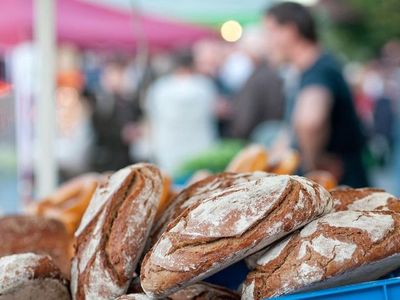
(340, 248)
(30, 276)
(20, 234)
(364, 199)
(113, 232)
(227, 225)
(196, 193)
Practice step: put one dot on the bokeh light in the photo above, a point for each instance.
(231, 31)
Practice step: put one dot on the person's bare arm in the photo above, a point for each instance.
(311, 123)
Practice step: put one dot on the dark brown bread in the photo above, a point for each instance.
(20, 234)
(340, 248)
(195, 193)
(31, 276)
(364, 199)
(113, 232)
(228, 225)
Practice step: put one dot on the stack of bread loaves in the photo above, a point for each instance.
(293, 233)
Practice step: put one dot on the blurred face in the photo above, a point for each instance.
(280, 39)
(112, 78)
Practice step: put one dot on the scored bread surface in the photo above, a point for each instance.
(328, 252)
(23, 276)
(229, 225)
(364, 199)
(113, 232)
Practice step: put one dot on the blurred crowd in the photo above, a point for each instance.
(276, 86)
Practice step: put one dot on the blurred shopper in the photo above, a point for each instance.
(261, 97)
(74, 131)
(391, 61)
(113, 112)
(327, 130)
(209, 57)
(180, 107)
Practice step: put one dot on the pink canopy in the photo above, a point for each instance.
(96, 27)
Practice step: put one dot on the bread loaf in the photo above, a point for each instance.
(324, 178)
(364, 199)
(113, 231)
(287, 163)
(339, 248)
(31, 276)
(197, 291)
(68, 203)
(229, 224)
(39, 235)
(251, 158)
(196, 193)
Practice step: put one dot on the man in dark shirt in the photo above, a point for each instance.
(327, 130)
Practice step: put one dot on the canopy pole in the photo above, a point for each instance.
(45, 168)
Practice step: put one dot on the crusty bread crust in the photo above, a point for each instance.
(228, 225)
(40, 235)
(364, 199)
(28, 274)
(328, 252)
(113, 232)
(68, 203)
(195, 193)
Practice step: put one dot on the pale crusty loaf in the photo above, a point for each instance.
(364, 199)
(40, 235)
(30, 276)
(361, 199)
(232, 223)
(113, 232)
(68, 203)
(197, 291)
(250, 159)
(340, 248)
(196, 193)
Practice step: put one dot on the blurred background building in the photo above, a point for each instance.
(182, 83)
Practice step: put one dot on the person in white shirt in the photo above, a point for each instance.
(180, 107)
